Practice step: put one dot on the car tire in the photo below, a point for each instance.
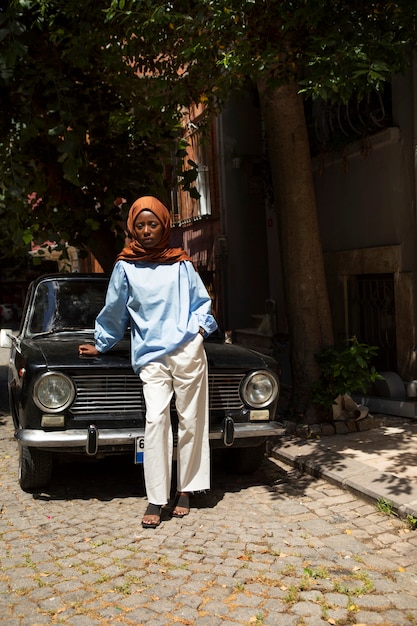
(35, 468)
(245, 460)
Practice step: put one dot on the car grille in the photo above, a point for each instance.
(123, 393)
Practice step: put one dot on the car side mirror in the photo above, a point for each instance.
(6, 338)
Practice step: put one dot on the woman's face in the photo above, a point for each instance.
(148, 230)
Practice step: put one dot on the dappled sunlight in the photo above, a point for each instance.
(378, 463)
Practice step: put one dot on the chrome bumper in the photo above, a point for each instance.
(93, 438)
(77, 438)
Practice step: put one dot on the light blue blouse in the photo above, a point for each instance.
(166, 304)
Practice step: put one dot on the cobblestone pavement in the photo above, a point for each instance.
(277, 548)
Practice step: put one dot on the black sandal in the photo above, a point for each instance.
(152, 510)
(182, 500)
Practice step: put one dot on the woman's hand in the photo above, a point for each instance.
(87, 349)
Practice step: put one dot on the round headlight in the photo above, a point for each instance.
(260, 389)
(53, 392)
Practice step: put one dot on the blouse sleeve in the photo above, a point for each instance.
(200, 302)
(113, 319)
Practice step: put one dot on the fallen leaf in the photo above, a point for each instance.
(401, 569)
(348, 532)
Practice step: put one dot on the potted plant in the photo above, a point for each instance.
(345, 368)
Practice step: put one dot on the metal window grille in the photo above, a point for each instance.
(371, 304)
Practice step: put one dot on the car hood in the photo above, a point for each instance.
(224, 355)
(60, 351)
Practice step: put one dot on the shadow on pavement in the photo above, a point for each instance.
(74, 477)
(383, 457)
(118, 477)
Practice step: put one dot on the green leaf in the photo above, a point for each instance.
(194, 193)
(27, 237)
(56, 130)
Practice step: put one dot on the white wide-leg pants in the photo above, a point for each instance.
(183, 372)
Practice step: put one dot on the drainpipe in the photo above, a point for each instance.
(414, 78)
(221, 239)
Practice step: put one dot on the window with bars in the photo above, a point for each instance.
(334, 126)
(372, 315)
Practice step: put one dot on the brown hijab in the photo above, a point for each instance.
(162, 253)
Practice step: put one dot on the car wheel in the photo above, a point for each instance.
(35, 467)
(245, 460)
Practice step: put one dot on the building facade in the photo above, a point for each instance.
(364, 160)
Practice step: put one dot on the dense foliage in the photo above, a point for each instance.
(91, 92)
(79, 130)
(205, 47)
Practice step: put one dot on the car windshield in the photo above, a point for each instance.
(66, 304)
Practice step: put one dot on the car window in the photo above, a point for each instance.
(66, 304)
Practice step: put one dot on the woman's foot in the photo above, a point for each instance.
(152, 517)
(181, 504)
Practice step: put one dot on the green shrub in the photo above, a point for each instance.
(345, 369)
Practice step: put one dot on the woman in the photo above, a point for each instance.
(156, 289)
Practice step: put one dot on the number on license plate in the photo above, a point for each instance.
(139, 449)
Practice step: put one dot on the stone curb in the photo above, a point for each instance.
(318, 460)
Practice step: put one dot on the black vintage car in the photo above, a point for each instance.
(63, 402)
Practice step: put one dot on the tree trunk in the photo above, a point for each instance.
(308, 311)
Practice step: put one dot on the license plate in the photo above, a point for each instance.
(139, 449)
